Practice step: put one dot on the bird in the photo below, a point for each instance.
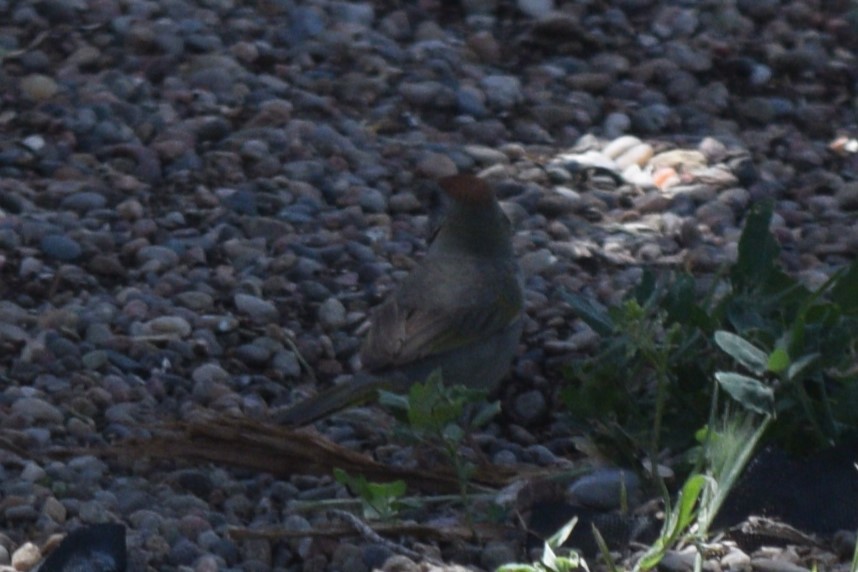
(460, 310)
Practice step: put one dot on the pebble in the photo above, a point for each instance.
(847, 196)
(530, 406)
(169, 326)
(399, 563)
(736, 560)
(496, 554)
(436, 165)
(502, 91)
(674, 561)
(26, 556)
(770, 565)
(37, 410)
(83, 201)
(39, 87)
(256, 308)
(605, 489)
(32, 472)
(55, 510)
(332, 314)
(162, 256)
(61, 247)
(349, 557)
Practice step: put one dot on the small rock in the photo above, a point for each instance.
(404, 202)
(39, 87)
(32, 472)
(165, 257)
(286, 363)
(55, 510)
(537, 261)
(436, 165)
(348, 557)
(354, 12)
(61, 247)
(170, 326)
(10, 333)
(84, 201)
(486, 155)
(635, 155)
(530, 406)
(674, 561)
(26, 556)
(681, 159)
(332, 314)
(210, 373)
(536, 8)
(604, 489)
(502, 91)
(398, 563)
(736, 560)
(197, 301)
(37, 410)
(769, 565)
(847, 196)
(496, 554)
(479, 7)
(253, 354)
(256, 308)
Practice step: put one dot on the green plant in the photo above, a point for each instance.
(778, 349)
(378, 500)
(722, 454)
(438, 415)
(661, 347)
(550, 561)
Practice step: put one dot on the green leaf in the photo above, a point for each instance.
(749, 392)
(392, 489)
(486, 413)
(676, 522)
(688, 500)
(743, 351)
(549, 558)
(778, 360)
(845, 290)
(647, 289)
(744, 313)
(758, 250)
(517, 568)
(566, 563)
(453, 433)
(594, 314)
(378, 499)
(557, 539)
(798, 366)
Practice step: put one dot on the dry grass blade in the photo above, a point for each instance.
(283, 451)
(481, 531)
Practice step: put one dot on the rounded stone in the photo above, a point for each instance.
(39, 87)
(332, 314)
(61, 247)
(256, 308)
(37, 410)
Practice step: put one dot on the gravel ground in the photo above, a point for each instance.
(197, 196)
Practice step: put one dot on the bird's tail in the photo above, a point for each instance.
(362, 389)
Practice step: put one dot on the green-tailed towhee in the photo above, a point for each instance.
(460, 310)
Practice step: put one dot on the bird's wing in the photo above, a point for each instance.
(408, 328)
